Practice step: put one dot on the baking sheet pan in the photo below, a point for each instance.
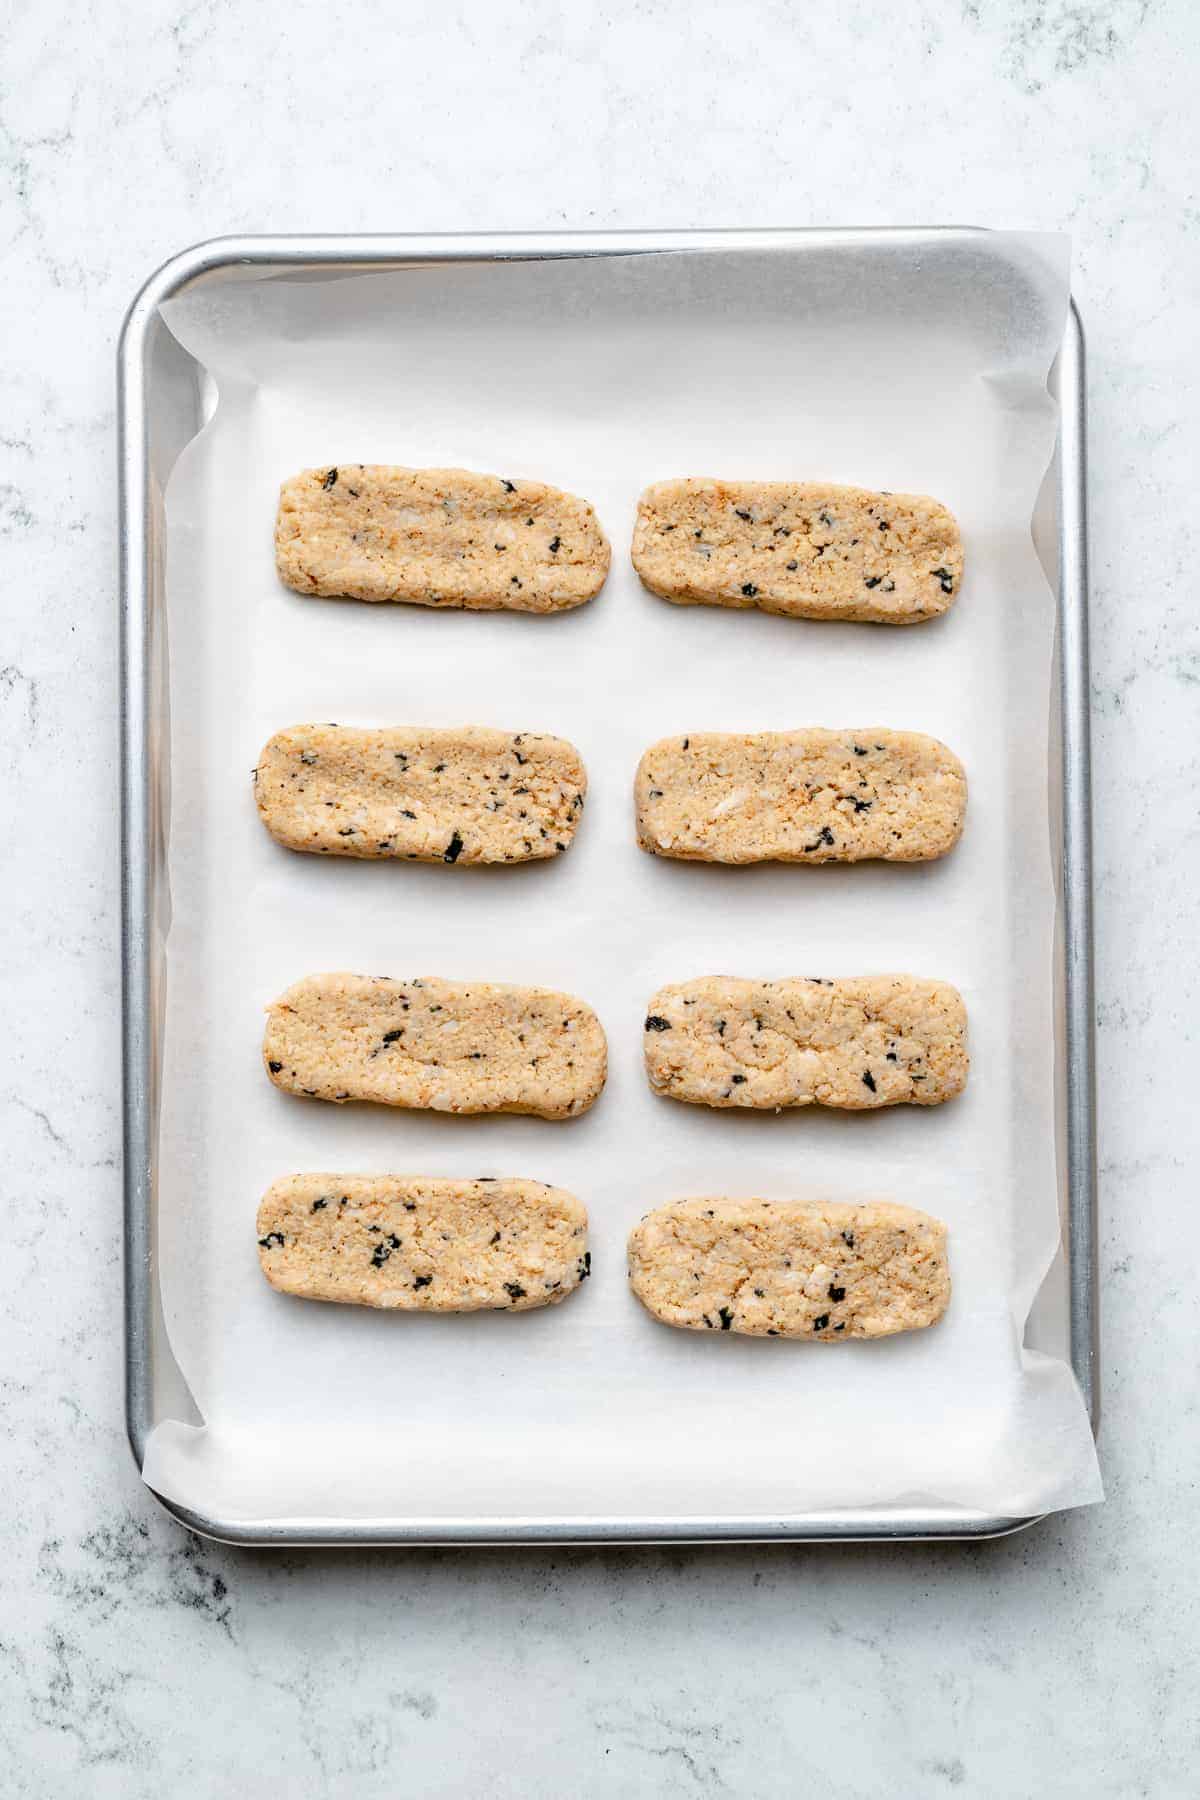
(162, 406)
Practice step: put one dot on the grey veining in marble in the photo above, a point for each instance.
(136, 1661)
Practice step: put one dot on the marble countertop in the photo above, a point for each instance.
(136, 1660)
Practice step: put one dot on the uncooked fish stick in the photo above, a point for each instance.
(455, 796)
(415, 1243)
(821, 1270)
(808, 796)
(444, 1046)
(438, 537)
(856, 1044)
(806, 549)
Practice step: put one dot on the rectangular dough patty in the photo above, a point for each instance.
(807, 549)
(791, 1268)
(438, 537)
(415, 1243)
(442, 1046)
(454, 796)
(811, 796)
(859, 1043)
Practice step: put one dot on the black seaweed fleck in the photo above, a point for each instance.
(346, 830)
(824, 836)
(585, 1265)
(749, 589)
(821, 1323)
(380, 1255)
(892, 1057)
(555, 546)
(510, 487)
(726, 1318)
(272, 1237)
(454, 849)
(792, 567)
(329, 480)
(840, 1327)
(837, 1293)
(883, 525)
(390, 1037)
(720, 1027)
(869, 1081)
(656, 1022)
(872, 581)
(759, 1294)
(859, 750)
(848, 1238)
(514, 1290)
(737, 1080)
(421, 1281)
(946, 579)
(274, 1067)
(741, 515)
(319, 1205)
(860, 805)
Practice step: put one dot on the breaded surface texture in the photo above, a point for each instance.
(444, 1046)
(811, 796)
(462, 796)
(856, 1044)
(791, 1268)
(807, 549)
(438, 537)
(415, 1243)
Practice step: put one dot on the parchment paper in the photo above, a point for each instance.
(884, 365)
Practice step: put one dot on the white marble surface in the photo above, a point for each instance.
(136, 1661)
